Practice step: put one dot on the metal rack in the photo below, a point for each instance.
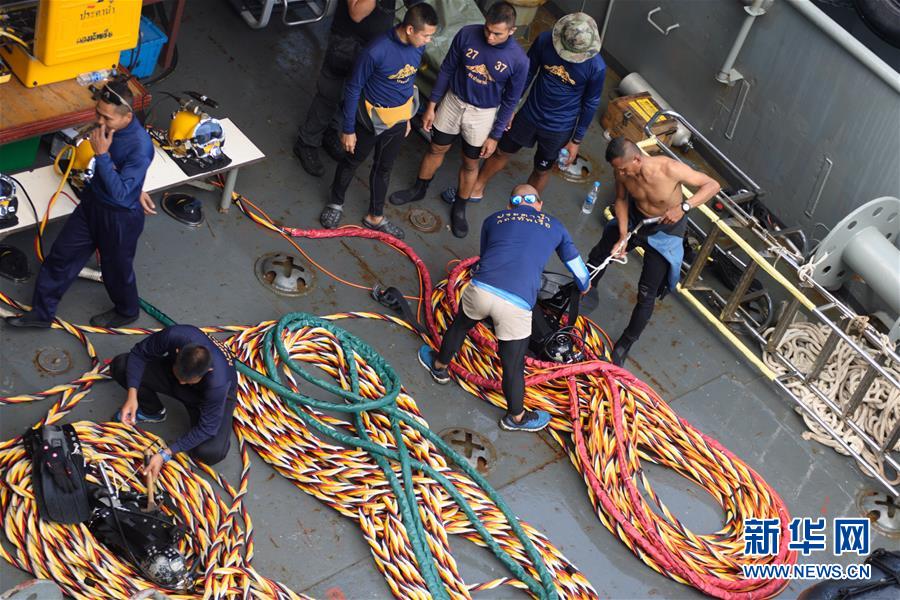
(816, 302)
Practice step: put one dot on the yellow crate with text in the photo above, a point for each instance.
(626, 116)
(73, 37)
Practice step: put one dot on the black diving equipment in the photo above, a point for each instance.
(184, 208)
(13, 264)
(553, 335)
(57, 474)
(9, 203)
(148, 539)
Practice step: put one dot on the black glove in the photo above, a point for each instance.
(61, 468)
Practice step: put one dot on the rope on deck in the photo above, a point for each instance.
(877, 414)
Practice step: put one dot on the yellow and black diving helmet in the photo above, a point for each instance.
(82, 162)
(193, 133)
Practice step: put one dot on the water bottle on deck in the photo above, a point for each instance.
(86, 79)
(562, 159)
(589, 202)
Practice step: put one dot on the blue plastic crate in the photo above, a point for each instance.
(150, 43)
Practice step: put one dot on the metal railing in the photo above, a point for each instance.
(818, 304)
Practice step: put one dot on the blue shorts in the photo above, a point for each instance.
(525, 133)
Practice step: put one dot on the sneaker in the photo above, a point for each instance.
(142, 417)
(27, 320)
(331, 143)
(532, 420)
(309, 159)
(111, 319)
(426, 359)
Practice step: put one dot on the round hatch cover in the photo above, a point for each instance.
(284, 274)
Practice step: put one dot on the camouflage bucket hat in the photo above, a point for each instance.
(576, 37)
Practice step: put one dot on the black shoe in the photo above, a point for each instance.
(413, 194)
(309, 159)
(27, 320)
(331, 143)
(620, 350)
(458, 224)
(112, 319)
(331, 216)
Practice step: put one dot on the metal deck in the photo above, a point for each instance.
(263, 81)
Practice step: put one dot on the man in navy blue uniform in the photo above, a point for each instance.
(568, 75)
(109, 218)
(356, 23)
(197, 370)
(515, 246)
(480, 83)
(379, 100)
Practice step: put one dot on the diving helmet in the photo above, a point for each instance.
(82, 163)
(194, 134)
(9, 204)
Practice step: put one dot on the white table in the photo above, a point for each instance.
(163, 174)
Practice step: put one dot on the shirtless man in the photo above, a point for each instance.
(648, 186)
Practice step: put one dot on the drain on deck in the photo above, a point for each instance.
(53, 360)
(474, 447)
(882, 510)
(424, 220)
(284, 274)
(580, 170)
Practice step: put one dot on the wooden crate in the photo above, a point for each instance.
(627, 115)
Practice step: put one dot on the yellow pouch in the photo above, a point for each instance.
(390, 116)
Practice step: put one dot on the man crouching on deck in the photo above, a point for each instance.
(197, 370)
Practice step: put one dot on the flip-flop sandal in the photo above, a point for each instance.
(331, 217)
(449, 195)
(385, 227)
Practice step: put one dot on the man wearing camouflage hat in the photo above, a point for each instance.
(568, 75)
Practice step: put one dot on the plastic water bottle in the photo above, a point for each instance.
(562, 159)
(86, 79)
(589, 202)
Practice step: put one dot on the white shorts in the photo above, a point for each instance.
(454, 116)
(511, 322)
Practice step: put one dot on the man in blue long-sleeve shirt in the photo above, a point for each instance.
(379, 100)
(480, 82)
(182, 362)
(515, 246)
(109, 218)
(568, 74)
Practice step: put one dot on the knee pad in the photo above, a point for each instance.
(645, 295)
(470, 151)
(542, 165)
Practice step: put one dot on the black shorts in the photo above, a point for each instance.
(440, 138)
(525, 133)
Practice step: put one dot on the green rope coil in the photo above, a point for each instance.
(351, 347)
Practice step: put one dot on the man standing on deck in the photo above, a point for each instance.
(515, 245)
(568, 75)
(480, 82)
(379, 101)
(182, 362)
(110, 218)
(648, 186)
(356, 23)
